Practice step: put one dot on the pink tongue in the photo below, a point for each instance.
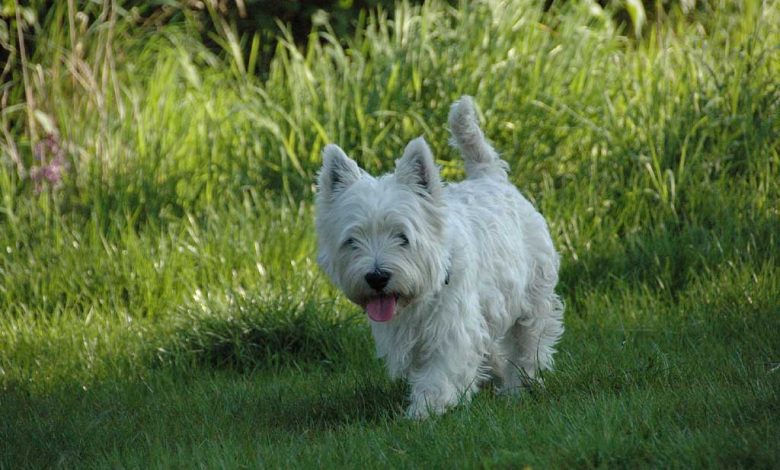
(381, 308)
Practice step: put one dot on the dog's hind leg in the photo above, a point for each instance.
(529, 345)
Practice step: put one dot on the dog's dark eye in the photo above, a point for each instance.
(350, 243)
(403, 239)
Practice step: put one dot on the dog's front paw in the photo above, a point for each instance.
(416, 412)
(419, 411)
(424, 407)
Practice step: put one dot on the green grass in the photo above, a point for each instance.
(163, 307)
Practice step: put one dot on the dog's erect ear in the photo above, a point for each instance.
(337, 174)
(417, 169)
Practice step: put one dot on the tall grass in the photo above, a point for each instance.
(180, 239)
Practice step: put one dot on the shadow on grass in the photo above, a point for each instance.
(368, 399)
(170, 407)
(253, 334)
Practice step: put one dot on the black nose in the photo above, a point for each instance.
(378, 279)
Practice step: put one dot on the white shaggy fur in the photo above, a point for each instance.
(464, 273)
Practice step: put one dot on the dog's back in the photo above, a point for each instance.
(517, 260)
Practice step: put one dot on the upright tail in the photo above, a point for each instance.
(481, 160)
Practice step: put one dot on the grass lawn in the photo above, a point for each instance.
(160, 305)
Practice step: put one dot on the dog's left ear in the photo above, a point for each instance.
(338, 173)
(417, 169)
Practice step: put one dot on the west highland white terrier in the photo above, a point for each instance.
(458, 280)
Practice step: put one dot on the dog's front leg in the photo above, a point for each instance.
(440, 384)
(431, 393)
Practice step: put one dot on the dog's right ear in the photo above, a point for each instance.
(337, 174)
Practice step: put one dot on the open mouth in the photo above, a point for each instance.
(382, 307)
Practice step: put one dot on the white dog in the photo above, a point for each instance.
(458, 280)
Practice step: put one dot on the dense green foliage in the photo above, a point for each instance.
(160, 300)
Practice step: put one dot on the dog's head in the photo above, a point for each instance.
(381, 240)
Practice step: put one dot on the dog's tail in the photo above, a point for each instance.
(481, 160)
